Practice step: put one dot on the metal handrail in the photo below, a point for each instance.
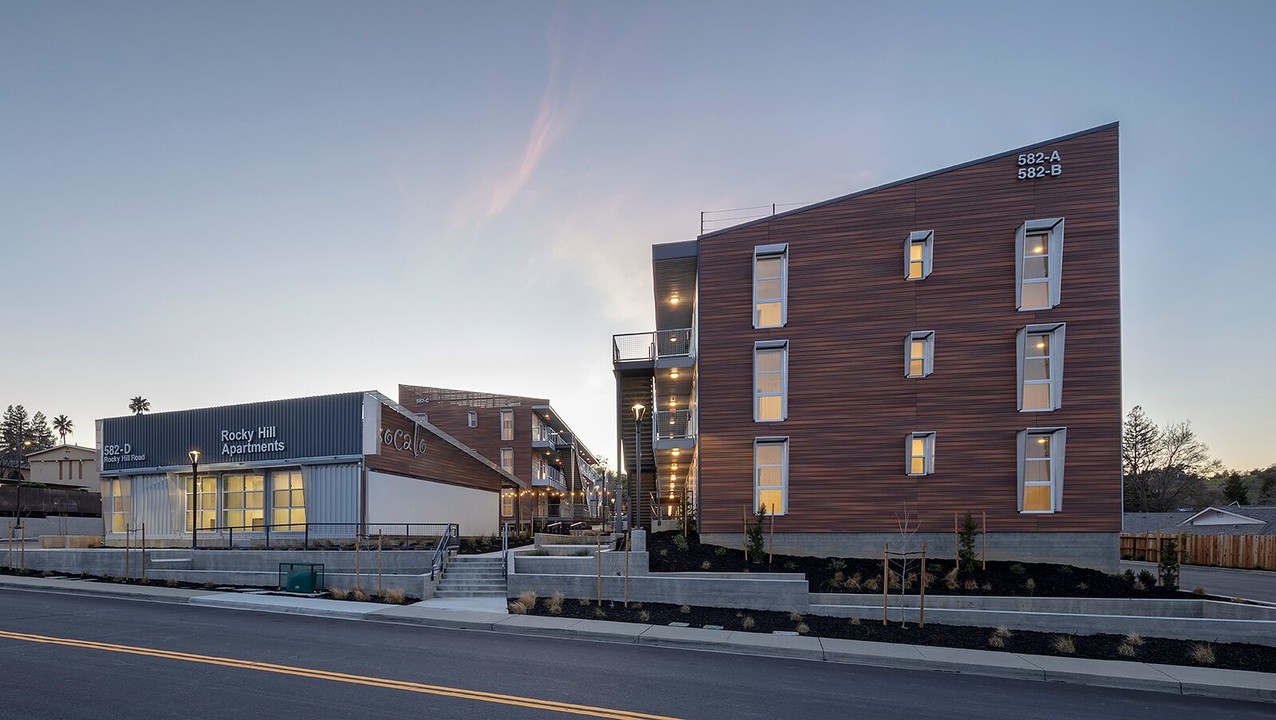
(674, 424)
(439, 562)
(360, 531)
(629, 347)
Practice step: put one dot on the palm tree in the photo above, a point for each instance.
(64, 426)
(139, 405)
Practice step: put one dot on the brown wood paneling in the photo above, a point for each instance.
(427, 456)
(849, 309)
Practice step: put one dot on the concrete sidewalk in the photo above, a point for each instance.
(488, 614)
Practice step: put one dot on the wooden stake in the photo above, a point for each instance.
(956, 552)
(886, 580)
(143, 553)
(598, 552)
(379, 543)
(357, 584)
(128, 534)
(921, 605)
(983, 537)
(744, 515)
(771, 554)
(629, 536)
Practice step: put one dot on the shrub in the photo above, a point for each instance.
(719, 551)
(970, 585)
(395, 596)
(1147, 578)
(950, 580)
(358, 594)
(795, 616)
(854, 582)
(528, 598)
(172, 582)
(855, 621)
(1003, 632)
(996, 641)
(685, 609)
(986, 587)
(754, 539)
(1139, 586)
(555, 603)
(338, 593)
(1128, 575)
(584, 602)
(1198, 591)
(598, 612)
(1064, 644)
(680, 542)
(1083, 586)
(837, 564)
(517, 608)
(706, 565)
(664, 552)
(802, 628)
(644, 616)
(1168, 567)
(873, 584)
(1202, 653)
(748, 623)
(1064, 569)
(1133, 639)
(1030, 585)
(1017, 569)
(967, 559)
(1125, 649)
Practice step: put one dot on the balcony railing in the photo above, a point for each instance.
(542, 434)
(651, 346)
(550, 476)
(587, 472)
(675, 424)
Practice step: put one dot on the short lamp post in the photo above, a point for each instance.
(194, 455)
(636, 512)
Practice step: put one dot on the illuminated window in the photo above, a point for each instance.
(205, 500)
(121, 507)
(919, 450)
(918, 251)
(1040, 374)
(507, 502)
(919, 353)
(287, 500)
(770, 285)
(770, 381)
(1041, 469)
(507, 424)
(1039, 247)
(243, 501)
(472, 418)
(771, 475)
(507, 460)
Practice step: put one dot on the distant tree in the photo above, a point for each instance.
(40, 435)
(139, 405)
(21, 434)
(1164, 468)
(63, 426)
(1234, 490)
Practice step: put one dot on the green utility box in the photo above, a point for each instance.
(301, 577)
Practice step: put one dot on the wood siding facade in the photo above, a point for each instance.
(849, 310)
(427, 456)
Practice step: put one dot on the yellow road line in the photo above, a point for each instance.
(443, 690)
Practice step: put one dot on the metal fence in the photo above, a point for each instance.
(41, 502)
(675, 424)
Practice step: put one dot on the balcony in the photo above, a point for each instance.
(674, 429)
(549, 477)
(543, 436)
(673, 347)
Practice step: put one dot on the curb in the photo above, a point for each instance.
(1174, 679)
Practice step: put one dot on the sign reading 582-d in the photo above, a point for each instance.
(1040, 164)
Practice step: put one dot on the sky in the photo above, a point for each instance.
(214, 203)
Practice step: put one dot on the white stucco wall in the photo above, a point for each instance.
(395, 499)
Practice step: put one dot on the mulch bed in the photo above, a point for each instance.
(1233, 656)
(862, 575)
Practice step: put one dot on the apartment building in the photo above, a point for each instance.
(896, 352)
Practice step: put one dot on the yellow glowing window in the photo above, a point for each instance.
(770, 463)
(770, 277)
(919, 354)
(918, 250)
(1040, 469)
(1040, 244)
(769, 383)
(920, 453)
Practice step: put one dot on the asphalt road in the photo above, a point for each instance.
(71, 657)
(1227, 582)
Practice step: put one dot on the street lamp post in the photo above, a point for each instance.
(194, 455)
(636, 513)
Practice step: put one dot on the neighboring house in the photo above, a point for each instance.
(897, 350)
(1230, 520)
(66, 467)
(528, 439)
(324, 465)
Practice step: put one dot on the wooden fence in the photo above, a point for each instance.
(1234, 551)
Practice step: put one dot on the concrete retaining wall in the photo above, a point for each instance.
(1174, 608)
(1100, 551)
(775, 592)
(36, 527)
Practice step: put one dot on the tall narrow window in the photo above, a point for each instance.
(1039, 248)
(472, 418)
(918, 251)
(770, 285)
(771, 475)
(507, 424)
(1040, 352)
(121, 504)
(243, 501)
(507, 460)
(287, 500)
(205, 499)
(919, 449)
(770, 381)
(1041, 469)
(919, 354)
(507, 502)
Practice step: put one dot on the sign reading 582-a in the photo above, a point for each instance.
(1040, 164)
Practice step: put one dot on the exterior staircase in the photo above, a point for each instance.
(470, 576)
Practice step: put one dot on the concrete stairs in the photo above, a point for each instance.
(469, 576)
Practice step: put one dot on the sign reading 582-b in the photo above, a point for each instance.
(1040, 164)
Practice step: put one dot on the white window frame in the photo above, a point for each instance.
(508, 499)
(507, 453)
(781, 251)
(1055, 331)
(507, 425)
(1053, 229)
(295, 514)
(121, 507)
(926, 239)
(928, 353)
(783, 487)
(1058, 440)
(783, 347)
(471, 418)
(927, 456)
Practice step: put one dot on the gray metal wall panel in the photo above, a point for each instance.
(323, 426)
(159, 502)
(332, 496)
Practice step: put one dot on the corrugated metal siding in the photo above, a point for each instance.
(324, 426)
(332, 496)
(159, 501)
